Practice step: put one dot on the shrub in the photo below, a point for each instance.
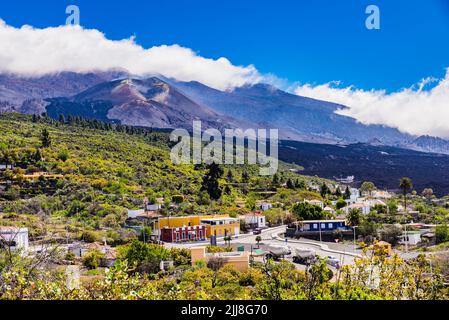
(215, 249)
(178, 198)
(442, 234)
(368, 229)
(215, 263)
(306, 211)
(145, 234)
(181, 257)
(70, 256)
(391, 234)
(341, 203)
(63, 155)
(92, 259)
(145, 257)
(90, 236)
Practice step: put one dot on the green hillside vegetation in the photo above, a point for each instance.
(75, 178)
(135, 276)
(95, 171)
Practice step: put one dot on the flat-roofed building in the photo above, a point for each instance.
(255, 220)
(239, 260)
(185, 221)
(15, 238)
(221, 227)
(197, 228)
(183, 234)
(6, 167)
(317, 229)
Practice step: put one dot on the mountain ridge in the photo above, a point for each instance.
(158, 101)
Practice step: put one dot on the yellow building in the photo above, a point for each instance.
(186, 221)
(239, 260)
(219, 225)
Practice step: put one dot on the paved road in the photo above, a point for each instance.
(271, 237)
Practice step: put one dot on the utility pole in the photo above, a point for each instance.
(355, 246)
(159, 227)
(431, 276)
(406, 239)
(319, 224)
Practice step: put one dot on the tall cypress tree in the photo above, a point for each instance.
(45, 138)
(210, 182)
(347, 193)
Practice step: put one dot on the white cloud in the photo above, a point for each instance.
(32, 51)
(416, 110)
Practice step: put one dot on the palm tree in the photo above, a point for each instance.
(406, 185)
(258, 239)
(227, 240)
(353, 217)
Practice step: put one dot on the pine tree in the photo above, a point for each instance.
(37, 156)
(347, 193)
(210, 182)
(324, 190)
(230, 176)
(275, 180)
(338, 192)
(45, 138)
(245, 177)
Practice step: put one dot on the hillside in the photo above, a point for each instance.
(95, 171)
(380, 164)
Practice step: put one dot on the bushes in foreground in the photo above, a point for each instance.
(373, 276)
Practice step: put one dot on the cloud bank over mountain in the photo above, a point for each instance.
(33, 52)
(415, 110)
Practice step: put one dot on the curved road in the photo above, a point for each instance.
(342, 252)
(271, 237)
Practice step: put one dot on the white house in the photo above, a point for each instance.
(355, 192)
(376, 202)
(264, 206)
(153, 207)
(355, 196)
(314, 186)
(364, 207)
(379, 194)
(6, 166)
(15, 238)
(132, 214)
(255, 220)
(411, 237)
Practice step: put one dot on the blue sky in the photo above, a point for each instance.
(302, 41)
